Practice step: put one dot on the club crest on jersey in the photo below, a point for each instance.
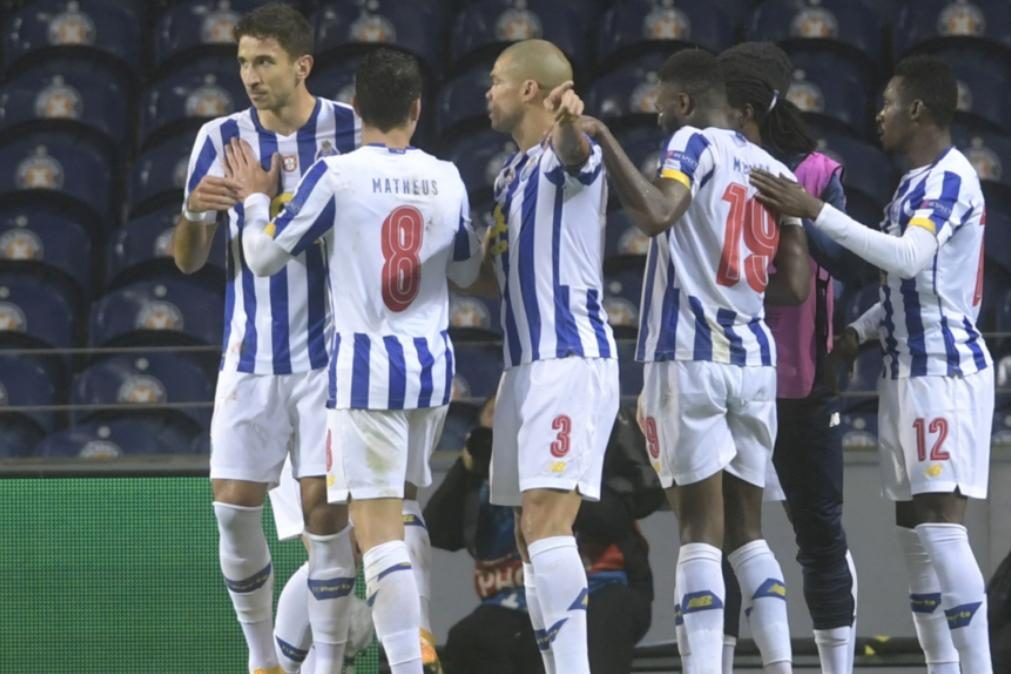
(961, 18)
(666, 23)
(209, 100)
(986, 162)
(59, 101)
(218, 25)
(373, 28)
(12, 318)
(141, 389)
(518, 23)
(159, 315)
(805, 94)
(72, 27)
(20, 244)
(289, 163)
(814, 23)
(40, 171)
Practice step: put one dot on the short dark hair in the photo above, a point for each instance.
(932, 81)
(696, 70)
(386, 84)
(282, 22)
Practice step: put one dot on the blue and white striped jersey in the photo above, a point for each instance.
(929, 321)
(705, 277)
(396, 224)
(548, 242)
(280, 324)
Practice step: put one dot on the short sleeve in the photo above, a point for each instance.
(943, 207)
(687, 158)
(588, 173)
(309, 215)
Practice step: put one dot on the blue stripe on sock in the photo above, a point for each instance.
(961, 616)
(700, 601)
(581, 601)
(254, 582)
(412, 520)
(924, 603)
(546, 636)
(289, 651)
(331, 588)
(772, 587)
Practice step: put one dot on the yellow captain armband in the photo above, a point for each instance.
(278, 202)
(679, 176)
(926, 223)
(271, 229)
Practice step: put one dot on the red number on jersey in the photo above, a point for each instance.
(560, 447)
(401, 238)
(747, 217)
(652, 439)
(938, 426)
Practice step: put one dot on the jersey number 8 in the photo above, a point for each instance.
(761, 235)
(401, 236)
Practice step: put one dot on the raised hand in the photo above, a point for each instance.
(243, 168)
(213, 194)
(785, 196)
(564, 102)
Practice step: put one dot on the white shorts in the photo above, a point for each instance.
(773, 489)
(372, 453)
(934, 434)
(260, 419)
(553, 420)
(709, 417)
(286, 505)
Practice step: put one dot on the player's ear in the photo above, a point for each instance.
(917, 110)
(414, 114)
(303, 66)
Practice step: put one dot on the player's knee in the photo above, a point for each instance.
(239, 492)
(546, 514)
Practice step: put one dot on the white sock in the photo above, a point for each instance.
(562, 592)
(331, 582)
(292, 635)
(700, 585)
(396, 613)
(681, 635)
(537, 618)
(309, 664)
(833, 645)
(729, 644)
(249, 576)
(763, 592)
(925, 600)
(963, 593)
(419, 547)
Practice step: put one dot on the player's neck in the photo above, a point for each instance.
(396, 138)
(289, 118)
(532, 128)
(926, 146)
(704, 119)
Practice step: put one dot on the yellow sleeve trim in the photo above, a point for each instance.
(926, 223)
(270, 230)
(674, 174)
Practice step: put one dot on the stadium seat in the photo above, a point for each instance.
(197, 27)
(997, 233)
(860, 431)
(629, 28)
(60, 168)
(484, 27)
(628, 93)
(37, 312)
(981, 78)
(473, 317)
(159, 174)
(113, 438)
(624, 243)
(143, 250)
(152, 379)
(460, 419)
(943, 23)
(989, 154)
(188, 96)
(460, 105)
(68, 94)
(480, 157)
(74, 29)
(622, 296)
(643, 144)
(348, 28)
(169, 311)
(45, 238)
(842, 25)
(830, 89)
(629, 371)
(869, 175)
(478, 367)
(27, 381)
(335, 81)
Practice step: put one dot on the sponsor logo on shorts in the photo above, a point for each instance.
(934, 470)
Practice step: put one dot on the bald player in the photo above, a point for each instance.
(548, 448)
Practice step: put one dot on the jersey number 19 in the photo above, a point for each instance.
(760, 233)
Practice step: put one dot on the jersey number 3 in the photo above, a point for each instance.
(402, 233)
(750, 218)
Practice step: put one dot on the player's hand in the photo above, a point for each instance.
(244, 168)
(564, 103)
(785, 196)
(213, 194)
(844, 352)
(591, 126)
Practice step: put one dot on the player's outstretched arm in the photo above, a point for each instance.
(905, 255)
(653, 208)
(568, 141)
(792, 282)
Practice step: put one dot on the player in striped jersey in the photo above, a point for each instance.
(937, 387)
(396, 223)
(708, 401)
(558, 397)
(274, 349)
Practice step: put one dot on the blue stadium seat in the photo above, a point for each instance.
(634, 26)
(159, 174)
(197, 27)
(473, 316)
(18, 436)
(461, 104)
(60, 168)
(24, 381)
(989, 154)
(981, 78)
(860, 431)
(153, 379)
(830, 88)
(188, 96)
(936, 23)
(869, 175)
(484, 27)
(170, 311)
(623, 241)
(74, 29)
(460, 419)
(997, 233)
(622, 296)
(143, 249)
(843, 25)
(113, 438)
(70, 93)
(629, 92)
(344, 28)
(629, 371)
(36, 236)
(335, 81)
(480, 156)
(36, 312)
(478, 367)
(643, 144)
